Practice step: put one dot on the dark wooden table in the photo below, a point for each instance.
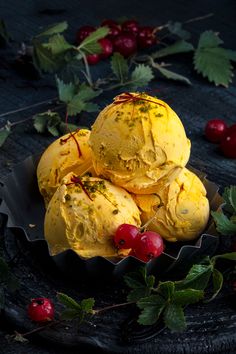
(195, 105)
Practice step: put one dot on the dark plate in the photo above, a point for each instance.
(23, 204)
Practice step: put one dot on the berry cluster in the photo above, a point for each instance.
(125, 39)
(144, 245)
(217, 131)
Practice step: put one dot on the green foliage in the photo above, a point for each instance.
(141, 76)
(54, 29)
(119, 66)
(4, 134)
(90, 44)
(226, 223)
(176, 28)
(140, 283)
(213, 61)
(74, 309)
(180, 46)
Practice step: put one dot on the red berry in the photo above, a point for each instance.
(125, 44)
(130, 26)
(215, 130)
(228, 143)
(109, 22)
(84, 32)
(93, 59)
(125, 236)
(41, 310)
(146, 37)
(107, 47)
(148, 245)
(113, 27)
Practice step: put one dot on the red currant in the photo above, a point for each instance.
(93, 59)
(41, 310)
(228, 143)
(125, 44)
(125, 236)
(84, 32)
(215, 130)
(148, 245)
(130, 26)
(113, 27)
(107, 48)
(146, 37)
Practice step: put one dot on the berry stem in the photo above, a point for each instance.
(96, 312)
(144, 227)
(88, 73)
(41, 328)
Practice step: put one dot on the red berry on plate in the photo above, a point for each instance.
(125, 236)
(148, 245)
(84, 32)
(93, 59)
(146, 37)
(41, 310)
(130, 26)
(107, 47)
(215, 130)
(228, 143)
(125, 44)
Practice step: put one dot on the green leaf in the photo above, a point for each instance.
(212, 61)
(4, 134)
(197, 278)
(70, 314)
(47, 121)
(44, 59)
(178, 47)
(166, 289)
(171, 75)
(58, 45)
(174, 318)
(152, 307)
(223, 224)
(75, 106)
(230, 256)
(53, 29)
(40, 122)
(217, 279)
(187, 297)
(141, 76)
(140, 284)
(119, 67)
(4, 35)
(66, 92)
(68, 302)
(87, 305)
(65, 128)
(86, 93)
(71, 70)
(79, 102)
(229, 196)
(177, 29)
(231, 54)
(90, 44)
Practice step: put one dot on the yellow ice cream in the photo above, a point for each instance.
(182, 209)
(139, 142)
(66, 154)
(85, 218)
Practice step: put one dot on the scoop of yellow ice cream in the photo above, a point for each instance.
(139, 142)
(84, 214)
(181, 210)
(66, 154)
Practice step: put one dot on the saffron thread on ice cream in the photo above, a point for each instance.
(77, 180)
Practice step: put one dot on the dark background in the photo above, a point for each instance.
(195, 105)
